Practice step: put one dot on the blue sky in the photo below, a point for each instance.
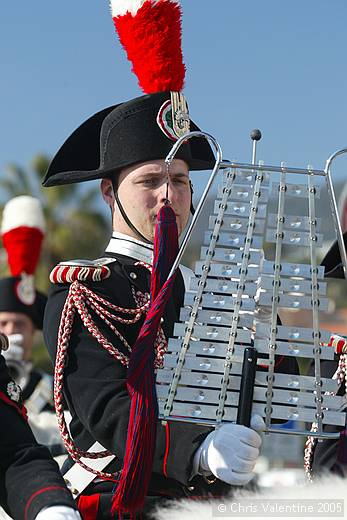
(280, 66)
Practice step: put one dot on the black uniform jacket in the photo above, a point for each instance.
(30, 479)
(96, 393)
(326, 452)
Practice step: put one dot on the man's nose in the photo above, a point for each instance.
(8, 328)
(166, 192)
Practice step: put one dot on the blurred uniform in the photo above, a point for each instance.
(30, 480)
(330, 455)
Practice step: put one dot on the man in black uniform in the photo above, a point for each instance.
(95, 309)
(135, 186)
(331, 454)
(31, 486)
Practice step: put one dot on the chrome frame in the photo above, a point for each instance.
(224, 164)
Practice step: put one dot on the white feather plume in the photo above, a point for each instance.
(121, 7)
(23, 211)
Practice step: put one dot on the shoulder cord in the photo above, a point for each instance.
(311, 443)
(79, 297)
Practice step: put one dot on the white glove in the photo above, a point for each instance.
(58, 513)
(230, 452)
(15, 344)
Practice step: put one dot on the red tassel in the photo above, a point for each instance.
(141, 436)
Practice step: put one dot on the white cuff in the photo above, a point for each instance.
(58, 513)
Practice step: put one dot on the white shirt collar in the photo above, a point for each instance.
(128, 246)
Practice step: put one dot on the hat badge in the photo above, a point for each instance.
(25, 289)
(173, 116)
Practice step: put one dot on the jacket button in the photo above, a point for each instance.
(133, 276)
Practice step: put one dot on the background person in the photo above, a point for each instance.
(21, 314)
(330, 455)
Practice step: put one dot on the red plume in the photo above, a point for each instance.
(150, 33)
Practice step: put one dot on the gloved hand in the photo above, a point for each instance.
(230, 452)
(58, 513)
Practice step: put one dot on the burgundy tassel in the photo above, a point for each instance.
(141, 436)
(165, 248)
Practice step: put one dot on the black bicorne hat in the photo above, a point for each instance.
(332, 261)
(121, 135)
(12, 301)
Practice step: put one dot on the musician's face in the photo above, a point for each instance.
(18, 323)
(142, 190)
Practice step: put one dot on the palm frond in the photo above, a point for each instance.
(20, 176)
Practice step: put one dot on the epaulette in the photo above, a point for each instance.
(81, 270)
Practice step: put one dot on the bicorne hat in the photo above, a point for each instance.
(22, 232)
(119, 136)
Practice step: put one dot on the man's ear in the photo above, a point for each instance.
(107, 192)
